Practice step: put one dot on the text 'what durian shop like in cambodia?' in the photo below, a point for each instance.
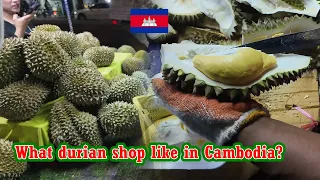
(157, 152)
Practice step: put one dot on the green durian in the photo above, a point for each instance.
(269, 28)
(143, 77)
(87, 41)
(118, 78)
(126, 89)
(144, 55)
(202, 35)
(120, 120)
(12, 62)
(126, 49)
(298, 4)
(21, 100)
(102, 56)
(189, 79)
(133, 64)
(9, 167)
(47, 27)
(45, 58)
(84, 87)
(179, 11)
(69, 42)
(80, 62)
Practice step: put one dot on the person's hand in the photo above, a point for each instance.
(216, 121)
(21, 23)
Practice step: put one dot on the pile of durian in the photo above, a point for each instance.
(62, 67)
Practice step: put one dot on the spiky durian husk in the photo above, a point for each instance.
(118, 78)
(133, 64)
(298, 4)
(9, 167)
(84, 87)
(102, 56)
(87, 40)
(12, 63)
(202, 36)
(80, 62)
(47, 27)
(126, 89)
(119, 119)
(143, 77)
(21, 100)
(45, 58)
(162, 37)
(176, 8)
(189, 84)
(144, 55)
(126, 49)
(69, 42)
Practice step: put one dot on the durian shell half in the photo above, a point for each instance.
(188, 79)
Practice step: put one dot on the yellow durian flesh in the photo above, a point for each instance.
(241, 68)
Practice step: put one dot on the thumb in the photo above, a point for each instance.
(15, 16)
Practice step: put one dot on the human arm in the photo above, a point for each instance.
(21, 24)
(302, 156)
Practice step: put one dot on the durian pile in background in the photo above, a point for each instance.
(62, 67)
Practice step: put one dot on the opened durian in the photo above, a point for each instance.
(45, 58)
(84, 87)
(202, 36)
(12, 62)
(144, 55)
(179, 10)
(126, 89)
(47, 27)
(10, 168)
(126, 49)
(161, 37)
(119, 119)
(69, 42)
(265, 72)
(21, 100)
(102, 56)
(269, 28)
(133, 64)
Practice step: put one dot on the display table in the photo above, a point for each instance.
(36, 129)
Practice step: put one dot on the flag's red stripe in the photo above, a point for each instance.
(136, 21)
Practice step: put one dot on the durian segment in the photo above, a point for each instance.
(21, 100)
(269, 28)
(69, 42)
(12, 62)
(87, 41)
(84, 87)
(240, 67)
(126, 49)
(133, 64)
(202, 36)
(45, 58)
(126, 89)
(102, 56)
(179, 10)
(47, 27)
(312, 7)
(161, 37)
(119, 119)
(9, 167)
(222, 11)
(144, 55)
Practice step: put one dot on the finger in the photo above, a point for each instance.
(15, 16)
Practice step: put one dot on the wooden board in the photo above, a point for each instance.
(303, 93)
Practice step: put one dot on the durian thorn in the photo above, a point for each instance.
(180, 72)
(218, 90)
(233, 94)
(199, 83)
(190, 77)
(209, 91)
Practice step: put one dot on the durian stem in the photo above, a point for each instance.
(9, 134)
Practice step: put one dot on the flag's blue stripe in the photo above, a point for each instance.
(149, 30)
(149, 12)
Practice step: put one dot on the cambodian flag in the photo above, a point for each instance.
(149, 21)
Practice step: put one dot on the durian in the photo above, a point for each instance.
(47, 27)
(179, 10)
(84, 87)
(133, 64)
(189, 79)
(69, 42)
(299, 4)
(21, 100)
(80, 62)
(162, 37)
(143, 77)
(144, 55)
(202, 36)
(87, 41)
(126, 89)
(126, 49)
(45, 58)
(9, 167)
(269, 28)
(119, 119)
(118, 78)
(12, 62)
(102, 56)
